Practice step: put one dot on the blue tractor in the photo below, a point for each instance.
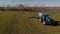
(45, 19)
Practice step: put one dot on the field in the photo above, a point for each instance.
(15, 22)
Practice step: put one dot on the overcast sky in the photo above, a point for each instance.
(31, 2)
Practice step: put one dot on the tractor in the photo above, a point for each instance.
(45, 19)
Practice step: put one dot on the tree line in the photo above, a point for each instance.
(23, 8)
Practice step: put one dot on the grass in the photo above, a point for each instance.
(17, 23)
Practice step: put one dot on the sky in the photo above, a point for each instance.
(31, 2)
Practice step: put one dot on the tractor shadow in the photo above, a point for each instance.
(56, 23)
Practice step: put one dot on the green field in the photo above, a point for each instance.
(15, 22)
